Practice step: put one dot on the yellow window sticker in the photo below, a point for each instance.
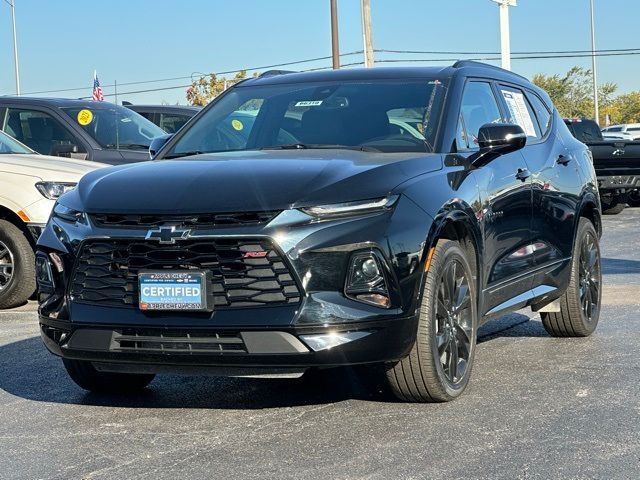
(237, 124)
(85, 117)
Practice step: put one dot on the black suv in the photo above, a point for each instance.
(170, 118)
(97, 131)
(314, 220)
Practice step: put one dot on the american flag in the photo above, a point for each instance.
(97, 91)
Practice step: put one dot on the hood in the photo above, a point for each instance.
(47, 168)
(247, 181)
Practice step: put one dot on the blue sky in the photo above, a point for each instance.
(61, 42)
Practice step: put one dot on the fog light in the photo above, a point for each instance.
(44, 276)
(326, 341)
(365, 280)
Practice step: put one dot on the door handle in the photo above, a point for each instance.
(523, 174)
(563, 160)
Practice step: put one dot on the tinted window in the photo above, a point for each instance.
(542, 113)
(520, 111)
(585, 130)
(172, 122)
(390, 116)
(38, 130)
(478, 108)
(614, 129)
(113, 126)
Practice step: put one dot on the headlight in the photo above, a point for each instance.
(351, 208)
(53, 190)
(67, 214)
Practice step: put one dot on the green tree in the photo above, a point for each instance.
(572, 93)
(626, 108)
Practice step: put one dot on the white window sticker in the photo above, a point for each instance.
(519, 112)
(309, 103)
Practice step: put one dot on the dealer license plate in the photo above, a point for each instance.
(173, 290)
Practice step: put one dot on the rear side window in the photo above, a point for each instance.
(542, 113)
(172, 122)
(478, 108)
(520, 111)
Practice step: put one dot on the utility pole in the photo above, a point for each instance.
(335, 47)
(505, 42)
(367, 36)
(596, 106)
(15, 45)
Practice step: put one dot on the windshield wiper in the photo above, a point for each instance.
(320, 146)
(183, 154)
(141, 146)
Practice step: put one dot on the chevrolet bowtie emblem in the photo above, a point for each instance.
(167, 234)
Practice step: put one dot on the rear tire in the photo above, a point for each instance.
(580, 305)
(612, 206)
(634, 199)
(439, 365)
(87, 377)
(17, 266)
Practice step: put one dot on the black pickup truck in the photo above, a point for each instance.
(617, 165)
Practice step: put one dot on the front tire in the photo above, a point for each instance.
(87, 377)
(580, 305)
(439, 365)
(17, 266)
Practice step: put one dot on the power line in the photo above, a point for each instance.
(190, 77)
(517, 56)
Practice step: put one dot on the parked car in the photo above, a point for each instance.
(617, 165)
(97, 131)
(353, 244)
(170, 118)
(630, 131)
(29, 185)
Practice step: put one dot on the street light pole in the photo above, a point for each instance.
(596, 106)
(335, 47)
(366, 33)
(15, 45)
(505, 42)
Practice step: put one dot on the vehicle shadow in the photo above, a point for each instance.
(613, 266)
(512, 325)
(28, 371)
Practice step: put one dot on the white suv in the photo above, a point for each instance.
(29, 185)
(629, 131)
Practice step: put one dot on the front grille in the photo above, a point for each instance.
(106, 272)
(168, 342)
(205, 220)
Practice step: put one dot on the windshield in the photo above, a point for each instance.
(9, 145)
(380, 115)
(115, 127)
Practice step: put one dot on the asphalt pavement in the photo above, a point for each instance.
(537, 407)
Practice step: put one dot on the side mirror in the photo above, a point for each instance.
(157, 143)
(63, 150)
(495, 139)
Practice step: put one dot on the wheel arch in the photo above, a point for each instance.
(12, 217)
(589, 209)
(458, 224)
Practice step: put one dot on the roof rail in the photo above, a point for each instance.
(273, 73)
(473, 63)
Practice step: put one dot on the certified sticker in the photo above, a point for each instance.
(237, 125)
(85, 117)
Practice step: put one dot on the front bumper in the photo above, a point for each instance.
(228, 350)
(318, 254)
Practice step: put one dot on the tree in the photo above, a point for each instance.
(572, 93)
(208, 87)
(626, 108)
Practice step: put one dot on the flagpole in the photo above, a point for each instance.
(115, 88)
(15, 46)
